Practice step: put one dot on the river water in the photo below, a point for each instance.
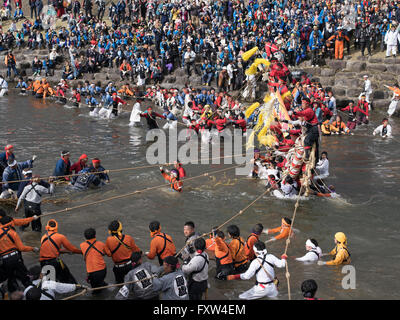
(364, 170)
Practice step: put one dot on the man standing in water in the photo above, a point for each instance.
(340, 253)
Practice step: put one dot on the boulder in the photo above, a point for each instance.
(376, 60)
(339, 91)
(376, 67)
(356, 66)
(380, 104)
(378, 94)
(170, 79)
(347, 82)
(325, 72)
(352, 92)
(336, 64)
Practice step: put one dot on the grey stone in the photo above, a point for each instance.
(376, 67)
(339, 91)
(356, 66)
(336, 64)
(327, 72)
(351, 92)
(379, 95)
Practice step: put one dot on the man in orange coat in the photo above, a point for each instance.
(283, 230)
(173, 178)
(120, 247)
(161, 245)
(237, 249)
(339, 37)
(13, 266)
(223, 257)
(51, 248)
(93, 252)
(252, 239)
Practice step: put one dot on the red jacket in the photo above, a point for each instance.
(308, 114)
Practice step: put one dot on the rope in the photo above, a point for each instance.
(133, 193)
(122, 169)
(85, 290)
(230, 219)
(304, 184)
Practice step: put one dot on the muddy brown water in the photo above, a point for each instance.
(364, 169)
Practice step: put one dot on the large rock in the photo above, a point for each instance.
(339, 91)
(376, 67)
(336, 64)
(170, 79)
(347, 82)
(375, 60)
(356, 66)
(381, 104)
(353, 92)
(327, 81)
(325, 72)
(379, 95)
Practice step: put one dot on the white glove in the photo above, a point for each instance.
(265, 231)
(34, 157)
(161, 168)
(35, 249)
(146, 253)
(35, 217)
(11, 191)
(321, 263)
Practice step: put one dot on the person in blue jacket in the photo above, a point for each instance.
(14, 173)
(63, 166)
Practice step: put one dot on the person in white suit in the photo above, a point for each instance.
(391, 38)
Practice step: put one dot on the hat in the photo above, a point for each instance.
(8, 147)
(365, 76)
(310, 244)
(64, 153)
(49, 228)
(83, 156)
(341, 237)
(12, 163)
(27, 171)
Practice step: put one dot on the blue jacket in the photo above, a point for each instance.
(62, 169)
(10, 174)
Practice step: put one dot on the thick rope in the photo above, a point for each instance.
(133, 193)
(122, 169)
(85, 290)
(230, 219)
(304, 184)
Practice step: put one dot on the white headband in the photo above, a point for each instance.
(310, 244)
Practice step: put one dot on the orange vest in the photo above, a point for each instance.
(120, 248)
(51, 244)
(222, 253)
(237, 250)
(162, 246)
(251, 240)
(93, 252)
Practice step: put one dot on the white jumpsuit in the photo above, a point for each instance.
(323, 169)
(262, 290)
